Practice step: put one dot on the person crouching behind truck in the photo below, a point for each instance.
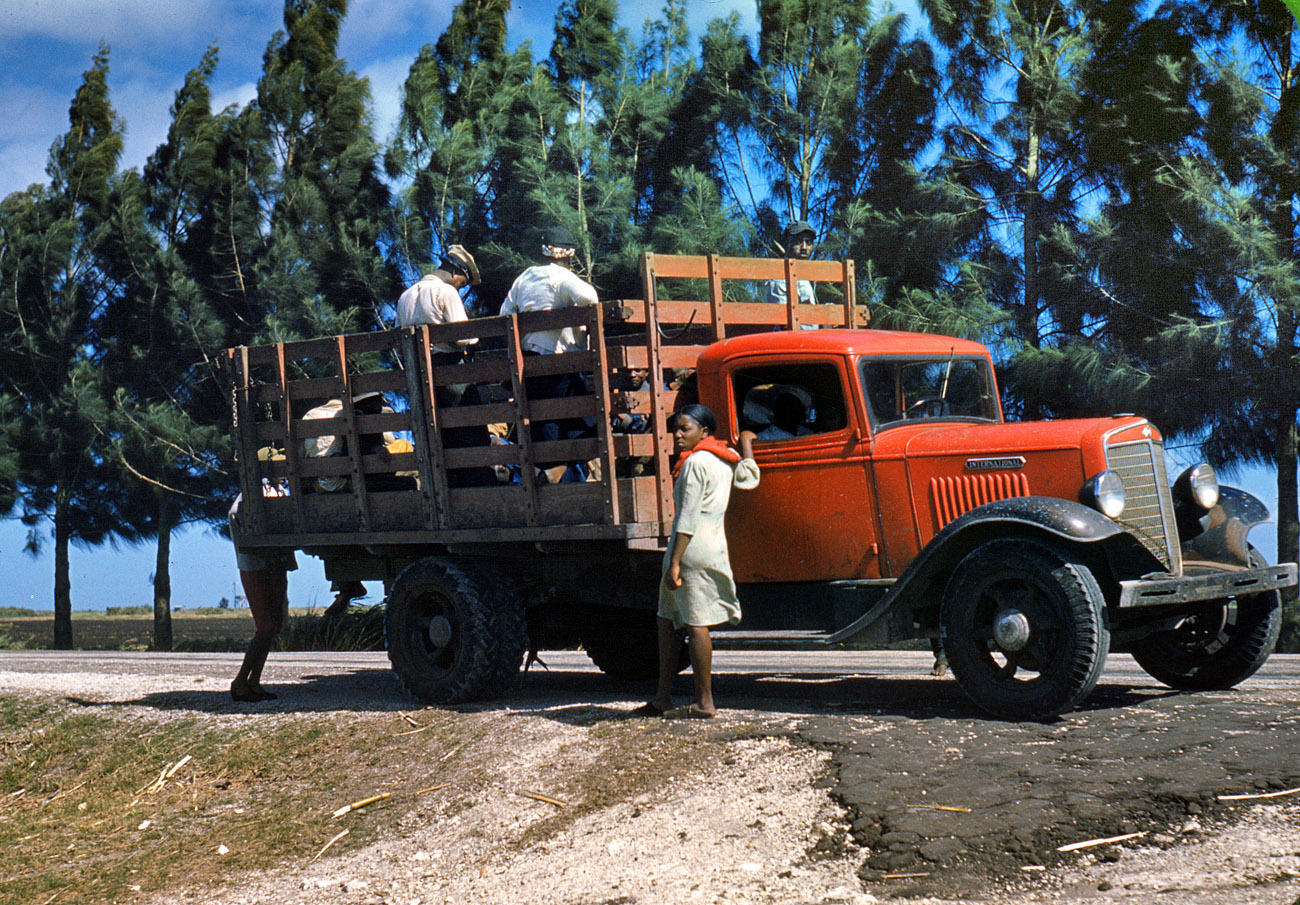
(264, 575)
(697, 590)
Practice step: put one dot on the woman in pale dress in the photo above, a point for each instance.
(698, 591)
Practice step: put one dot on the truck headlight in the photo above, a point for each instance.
(1105, 493)
(1198, 486)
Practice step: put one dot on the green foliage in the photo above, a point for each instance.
(56, 287)
(323, 271)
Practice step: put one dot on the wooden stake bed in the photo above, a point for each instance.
(445, 491)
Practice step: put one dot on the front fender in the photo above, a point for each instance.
(1043, 517)
(1221, 541)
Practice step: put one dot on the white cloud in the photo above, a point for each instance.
(117, 21)
(386, 80)
(374, 25)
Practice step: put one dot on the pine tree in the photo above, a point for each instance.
(1014, 75)
(824, 121)
(450, 137)
(162, 337)
(1243, 187)
(324, 270)
(52, 301)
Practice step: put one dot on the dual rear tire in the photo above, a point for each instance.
(452, 634)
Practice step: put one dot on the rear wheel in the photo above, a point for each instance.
(625, 645)
(1024, 629)
(451, 636)
(1219, 644)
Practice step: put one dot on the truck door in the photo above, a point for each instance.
(813, 515)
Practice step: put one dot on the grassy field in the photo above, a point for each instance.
(208, 630)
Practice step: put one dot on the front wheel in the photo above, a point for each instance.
(1024, 628)
(1219, 644)
(451, 637)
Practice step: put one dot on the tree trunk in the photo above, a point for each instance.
(62, 582)
(162, 582)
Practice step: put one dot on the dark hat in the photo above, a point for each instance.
(800, 228)
(459, 259)
(372, 401)
(558, 235)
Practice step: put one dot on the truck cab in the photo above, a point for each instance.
(1025, 551)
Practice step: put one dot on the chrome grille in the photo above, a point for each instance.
(1149, 507)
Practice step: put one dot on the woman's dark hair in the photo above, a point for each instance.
(701, 415)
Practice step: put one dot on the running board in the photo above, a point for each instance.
(774, 640)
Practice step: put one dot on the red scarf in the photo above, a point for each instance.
(708, 444)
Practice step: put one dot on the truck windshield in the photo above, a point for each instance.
(901, 391)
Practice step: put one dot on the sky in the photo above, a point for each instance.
(46, 46)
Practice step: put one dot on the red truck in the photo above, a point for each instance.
(895, 504)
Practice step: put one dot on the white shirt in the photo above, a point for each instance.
(543, 288)
(433, 300)
(776, 292)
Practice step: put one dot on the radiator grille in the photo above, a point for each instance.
(951, 496)
(1149, 508)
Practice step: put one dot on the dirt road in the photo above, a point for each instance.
(849, 778)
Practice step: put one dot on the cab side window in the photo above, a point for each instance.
(781, 402)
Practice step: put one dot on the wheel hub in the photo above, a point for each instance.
(1011, 630)
(439, 631)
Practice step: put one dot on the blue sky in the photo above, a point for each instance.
(46, 45)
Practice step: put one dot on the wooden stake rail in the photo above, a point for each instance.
(455, 482)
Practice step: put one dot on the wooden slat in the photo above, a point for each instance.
(600, 374)
(566, 363)
(480, 369)
(474, 415)
(669, 357)
(365, 424)
(634, 445)
(306, 389)
(352, 436)
(791, 295)
(638, 402)
(433, 480)
(716, 307)
(552, 319)
(437, 451)
(523, 422)
(564, 407)
(252, 511)
(696, 267)
(386, 381)
(291, 447)
(658, 414)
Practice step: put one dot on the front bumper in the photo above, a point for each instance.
(1209, 586)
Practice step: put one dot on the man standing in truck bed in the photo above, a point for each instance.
(544, 287)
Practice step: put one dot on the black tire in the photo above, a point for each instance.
(625, 645)
(1220, 644)
(450, 638)
(512, 637)
(1057, 645)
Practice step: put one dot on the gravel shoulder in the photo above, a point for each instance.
(760, 805)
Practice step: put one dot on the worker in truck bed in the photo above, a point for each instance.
(435, 299)
(798, 238)
(544, 287)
